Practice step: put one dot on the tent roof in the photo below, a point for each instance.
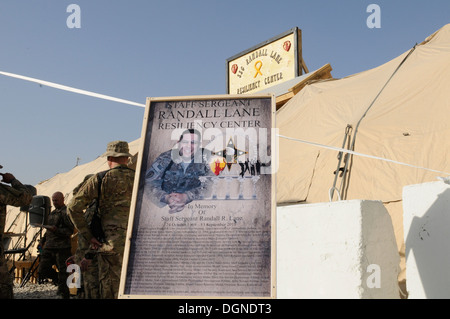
(286, 90)
(406, 121)
(65, 183)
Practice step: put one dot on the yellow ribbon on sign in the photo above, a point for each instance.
(258, 66)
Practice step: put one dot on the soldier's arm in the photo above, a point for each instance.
(153, 182)
(196, 193)
(15, 195)
(203, 191)
(79, 202)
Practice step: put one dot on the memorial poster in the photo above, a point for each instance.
(202, 217)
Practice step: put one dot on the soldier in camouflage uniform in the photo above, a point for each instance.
(114, 208)
(57, 245)
(15, 195)
(173, 178)
(89, 267)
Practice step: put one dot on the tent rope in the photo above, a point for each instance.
(352, 147)
(331, 191)
(361, 154)
(70, 89)
(338, 169)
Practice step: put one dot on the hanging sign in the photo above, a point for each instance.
(267, 64)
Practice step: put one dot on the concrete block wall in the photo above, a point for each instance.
(344, 249)
(426, 221)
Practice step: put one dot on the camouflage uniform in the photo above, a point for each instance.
(114, 208)
(17, 195)
(167, 175)
(57, 248)
(89, 277)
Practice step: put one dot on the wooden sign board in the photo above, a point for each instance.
(202, 216)
(267, 64)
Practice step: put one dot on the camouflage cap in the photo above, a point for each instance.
(117, 149)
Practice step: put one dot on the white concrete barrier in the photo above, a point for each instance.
(344, 249)
(426, 221)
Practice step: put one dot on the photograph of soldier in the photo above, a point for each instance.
(173, 178)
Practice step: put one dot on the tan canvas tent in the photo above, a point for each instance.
(403, 111)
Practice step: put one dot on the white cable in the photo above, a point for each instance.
(70, 89)
(360, 154)
(106, 97)
(336, 190)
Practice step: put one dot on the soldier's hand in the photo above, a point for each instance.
(178, 198)
(176, 209)
(176, 202)
(85, 263)
(7, 177)
(95, 244)
(70, 260)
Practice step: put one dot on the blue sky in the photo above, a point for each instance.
(136, 49)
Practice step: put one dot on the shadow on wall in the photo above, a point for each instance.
(427, 243)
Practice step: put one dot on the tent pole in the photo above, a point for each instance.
(352, 148)
(338, 169)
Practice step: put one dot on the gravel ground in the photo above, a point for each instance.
(36, 291)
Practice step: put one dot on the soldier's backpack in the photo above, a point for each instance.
(96, 223)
